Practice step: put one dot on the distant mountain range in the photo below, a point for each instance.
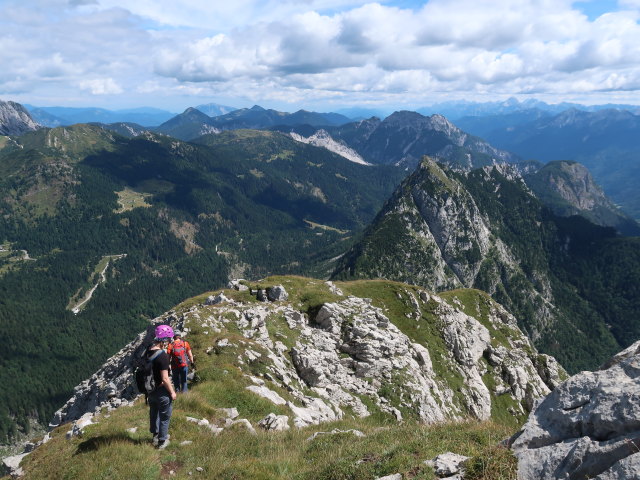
(606, 141)
(193, 123)
(292, 197)
(454, 110)
(60, 116)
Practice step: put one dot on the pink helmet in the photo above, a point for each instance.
(164, 332)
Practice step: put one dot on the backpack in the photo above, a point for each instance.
(143, 373)
(179, 354)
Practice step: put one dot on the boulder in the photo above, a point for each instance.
(261, 295)
(274, 422)
(230, 412)
(588, 427)
(246, 424)
(267, 393)
(12, 465)
(277, 294)
(447, 464)
(216, 299)
(237, 285)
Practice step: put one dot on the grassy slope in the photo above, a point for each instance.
(108, 451)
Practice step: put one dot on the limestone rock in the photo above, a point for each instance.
(83, 422)
(268, 394)
(588, 427)
(447, 464)
(246, 424)
(335, 431)
(274, 422)
(395, 476)
(238, 285)
(216, 299)
(261, 295)
(277, 294)
(230, 412)
(12, 465)
(15, 119)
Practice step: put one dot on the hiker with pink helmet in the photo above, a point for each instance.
(162, 395)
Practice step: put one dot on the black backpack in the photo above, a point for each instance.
(143, 373)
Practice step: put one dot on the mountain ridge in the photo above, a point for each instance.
(443, 229)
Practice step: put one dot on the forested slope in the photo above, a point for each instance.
(184, 215)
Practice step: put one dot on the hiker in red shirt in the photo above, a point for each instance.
(181, 357)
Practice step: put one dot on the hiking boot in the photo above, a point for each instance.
(154, 440)
(164, 444)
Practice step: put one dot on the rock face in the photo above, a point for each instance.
(15, 119)
(569, 189)
(588, 427)
(350, 350)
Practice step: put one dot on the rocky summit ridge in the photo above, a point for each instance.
(436, 362)
(319, 352)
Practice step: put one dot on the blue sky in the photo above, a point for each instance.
(317, 54)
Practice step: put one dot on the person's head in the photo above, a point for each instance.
(163, 334)
(177, 334)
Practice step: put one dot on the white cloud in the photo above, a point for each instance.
(101, 86)
(300, 50)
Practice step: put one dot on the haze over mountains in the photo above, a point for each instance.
(253, 192)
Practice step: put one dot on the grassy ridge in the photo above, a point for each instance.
(108, 450)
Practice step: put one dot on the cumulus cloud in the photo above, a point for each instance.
(312, 49)
(101, 86)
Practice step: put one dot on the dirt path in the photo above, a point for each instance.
(102, 279)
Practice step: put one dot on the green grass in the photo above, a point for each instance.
(108, 451)
(129, 199)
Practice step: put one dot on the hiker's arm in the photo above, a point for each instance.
(164, 374)
(190, 355)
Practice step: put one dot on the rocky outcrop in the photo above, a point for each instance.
(321, 138)
(15, 119)
(350, 350)
(588, 427)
